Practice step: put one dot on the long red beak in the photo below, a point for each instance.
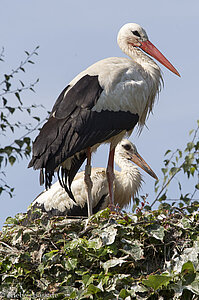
(149, 48)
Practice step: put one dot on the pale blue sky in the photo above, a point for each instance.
(74, 34)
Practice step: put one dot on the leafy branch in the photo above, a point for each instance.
(186, 162)
(9, 117)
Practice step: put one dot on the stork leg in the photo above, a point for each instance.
(110, 175)
(88, 182)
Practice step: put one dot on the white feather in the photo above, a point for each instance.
(126, 185)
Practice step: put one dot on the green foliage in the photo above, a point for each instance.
(11, 106)
(109, 256)
(179, 164)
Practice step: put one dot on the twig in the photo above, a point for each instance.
(166, 184)
(21, 65)
(30, 131)
(7, 246)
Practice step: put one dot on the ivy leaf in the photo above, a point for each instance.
(194, 285)
(156, 231)
(112, 263)
(70, 264)
(156, 281)
(134, 249)
(188, 267)
(108, 235)
(92, 289)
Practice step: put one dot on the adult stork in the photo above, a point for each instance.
(55, 201)
(100, 105)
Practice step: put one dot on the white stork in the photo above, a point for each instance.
(100, 105)
(55, 201)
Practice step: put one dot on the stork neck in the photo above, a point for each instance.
(150, 71)
(129, 181)
(137, 55)
(125, 165)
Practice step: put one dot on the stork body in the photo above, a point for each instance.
(100, 105)
(55, 201)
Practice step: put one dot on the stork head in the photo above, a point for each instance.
(125, 150)
(132, 35)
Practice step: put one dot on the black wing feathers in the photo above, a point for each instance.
(73, 127)
(56, 138)
(83, 95)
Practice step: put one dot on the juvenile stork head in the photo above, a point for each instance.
(126, 152)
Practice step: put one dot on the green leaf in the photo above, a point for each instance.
(19, 143)
(71, 264)
(22, 84)
(156, 281)
(134, 249)
(108, 235)
(7, 77)
(18, 97)
(190, 132)
(92, 289)
(180, 153)
(123, 294)
(188, 267)
(194, 285)
(192, 170)
(156, 231)
(168, 151)
(190, 146)
(12, 160)
(11, 220)
(11, 109)
(4, 101)
(95, 243)
(48, 256)
(8, 85)
(173, 171)
(37, 118)
(87, 279)
(164, 170)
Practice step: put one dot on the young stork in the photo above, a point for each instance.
(55, 201)
(100, 105)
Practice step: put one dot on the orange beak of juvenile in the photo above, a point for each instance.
(138, 160)
(149, 48)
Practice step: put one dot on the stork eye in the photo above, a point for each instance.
(135, 32)
(126, 147)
